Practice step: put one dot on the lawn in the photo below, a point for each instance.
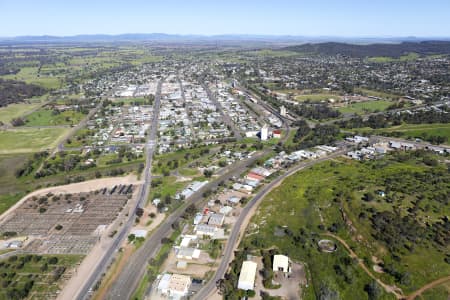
(311, 203)
(46, 117)
(16, 110)
(365, 107)
(30, 139)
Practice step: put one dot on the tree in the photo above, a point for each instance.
(139, 211)
(131, 238)
(373, 290)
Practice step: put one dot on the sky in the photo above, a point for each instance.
(345, 18)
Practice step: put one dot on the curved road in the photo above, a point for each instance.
(240, 225)
(131, 275)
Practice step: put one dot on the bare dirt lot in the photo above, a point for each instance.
(66, 223)
(290, 284)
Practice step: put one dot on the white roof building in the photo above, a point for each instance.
(247, 276)
(179, 285)
(280, 263)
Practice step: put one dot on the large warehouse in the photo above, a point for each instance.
(247, 276)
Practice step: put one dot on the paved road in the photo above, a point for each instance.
(226, 118)
(131, 275)
(142, 197)
(238, 227)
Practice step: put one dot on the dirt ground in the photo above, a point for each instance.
(79, 187)
(82, 272)
(290, 286)
(196, 267)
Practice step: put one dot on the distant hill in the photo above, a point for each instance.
(163, 37)
(372, 50)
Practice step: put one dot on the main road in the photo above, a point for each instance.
(240, 225)
(131, 275)
(100, 268)
(226, 118)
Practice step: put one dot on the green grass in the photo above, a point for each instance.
(30, 139)
(13, 111)
(46, 117)
(169, 187)
(440, 292)
(365, 107)
(30, 75)
(304, 195)
(316, 97)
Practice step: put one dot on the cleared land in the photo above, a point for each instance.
(30, 139)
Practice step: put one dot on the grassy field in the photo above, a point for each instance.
(16, 110)
(34, 276)
(30, 75)
(46, 117)
(311, 202)
(365, 107)
(30, 139)
(317, 97)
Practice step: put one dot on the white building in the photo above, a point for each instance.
(283, 111)
(281, 263)
(175, 286)
(247, 276)
(264, 133)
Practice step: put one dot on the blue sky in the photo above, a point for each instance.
(273, 17)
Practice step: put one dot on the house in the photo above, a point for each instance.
(247, 276)
(216, 220)
(179, 285)
(203, 229)
(254, 176)
(281, 263)
(188, 253)
(276, 133)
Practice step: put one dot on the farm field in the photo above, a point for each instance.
(314, 202)
(365, 107)
(30, 139)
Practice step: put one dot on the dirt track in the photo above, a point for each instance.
(427, 287)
